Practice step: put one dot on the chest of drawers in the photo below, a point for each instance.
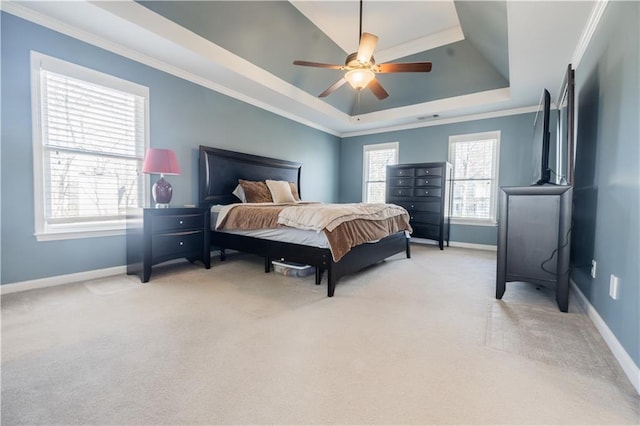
(158, 235)
(424, 189)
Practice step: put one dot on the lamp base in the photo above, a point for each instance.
(162, 192)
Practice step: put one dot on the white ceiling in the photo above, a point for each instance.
(414, 27)
(543, 37)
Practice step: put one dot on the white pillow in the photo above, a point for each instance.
(280, 191)
(239, 192)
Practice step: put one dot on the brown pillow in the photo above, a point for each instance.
(294, 191)
(255, 192)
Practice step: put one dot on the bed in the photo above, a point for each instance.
(219, 172)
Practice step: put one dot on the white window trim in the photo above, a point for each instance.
(493, 212)
(49, 232)
(365, 164)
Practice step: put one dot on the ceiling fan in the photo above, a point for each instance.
(361, 67)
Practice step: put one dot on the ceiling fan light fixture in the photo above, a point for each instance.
(359, 78)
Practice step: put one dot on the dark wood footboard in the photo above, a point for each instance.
(357, 259)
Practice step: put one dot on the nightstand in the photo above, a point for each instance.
(158, 235)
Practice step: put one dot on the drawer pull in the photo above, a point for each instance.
(412, 206)
(426, 182)
(181, 243)
(181, 222)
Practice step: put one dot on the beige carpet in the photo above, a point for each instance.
(410, 341)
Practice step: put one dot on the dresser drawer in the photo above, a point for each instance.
(427, 192)
(426, 218)
(428, 171)
(426, 231)
(169, 223)
(436, 181)
(401, 181)
(402, 171)
(424, 206)
(176, 243)
(401, 192)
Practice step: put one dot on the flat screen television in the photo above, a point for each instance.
(541, 138)
(565, 130)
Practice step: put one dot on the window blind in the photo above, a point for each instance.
(93, 147)
(376, 160)
(473, 186)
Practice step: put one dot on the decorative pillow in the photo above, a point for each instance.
(255, 192)
(294, 191)
(280, 191)
(239, 192)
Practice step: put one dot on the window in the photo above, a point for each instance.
(90, 135)
(475, 177)
(376, 158)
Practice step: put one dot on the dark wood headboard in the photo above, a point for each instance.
(219, 171)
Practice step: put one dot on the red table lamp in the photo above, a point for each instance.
(163, 162)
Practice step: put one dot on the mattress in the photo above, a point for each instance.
(282, 234)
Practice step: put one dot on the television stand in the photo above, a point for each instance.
(534, 228)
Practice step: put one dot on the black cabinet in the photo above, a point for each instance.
(534, 224)
(424, 189)
(158, 235)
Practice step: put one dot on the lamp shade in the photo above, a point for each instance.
(161, 161)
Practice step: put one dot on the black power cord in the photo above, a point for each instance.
(554, 253)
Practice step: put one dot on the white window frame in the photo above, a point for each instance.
(365, 164)
(493, 205)
(43, 230)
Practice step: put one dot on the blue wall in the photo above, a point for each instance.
(432, 144)
(182, 116)
(607, 178)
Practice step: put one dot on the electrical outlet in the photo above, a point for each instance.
(593, 269)
(613, 287)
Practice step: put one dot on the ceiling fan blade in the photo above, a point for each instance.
(406, 67)
(318, 65)
(368, 44)
(377, 89)
(333, 88)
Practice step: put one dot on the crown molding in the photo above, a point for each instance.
(443, 121)
(589, 30)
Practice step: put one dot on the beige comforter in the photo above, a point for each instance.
(344, 225)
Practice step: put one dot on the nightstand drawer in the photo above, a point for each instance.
(182, 242)
(158, 235)
(181, 222)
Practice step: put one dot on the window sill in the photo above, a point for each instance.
(76, 232)
(474, 222)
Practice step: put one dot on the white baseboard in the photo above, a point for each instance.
(61, 279)
(628, 366)
(456, 244)
(473, 246)
(71, 278)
